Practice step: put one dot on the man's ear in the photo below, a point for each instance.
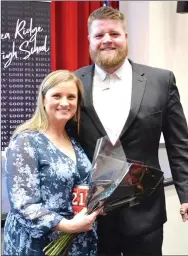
(126, 35)
(88, 37)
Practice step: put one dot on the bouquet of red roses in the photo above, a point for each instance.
(115, 181)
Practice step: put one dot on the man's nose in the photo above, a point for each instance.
(107, 38)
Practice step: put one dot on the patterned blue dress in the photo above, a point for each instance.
(40, 179)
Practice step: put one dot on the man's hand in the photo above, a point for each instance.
(184, 212)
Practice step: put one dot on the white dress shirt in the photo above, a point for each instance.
(112, 98)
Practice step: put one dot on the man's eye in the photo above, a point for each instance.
(115, 34)
(99, 36)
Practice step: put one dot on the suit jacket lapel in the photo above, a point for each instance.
(87, 79)
(138, 88)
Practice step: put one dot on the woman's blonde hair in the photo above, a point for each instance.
(39, 120)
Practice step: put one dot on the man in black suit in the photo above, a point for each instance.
(135, 103)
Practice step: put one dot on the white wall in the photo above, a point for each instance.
(181, 58)
(175, 230)
(137, 31)
(158, 36)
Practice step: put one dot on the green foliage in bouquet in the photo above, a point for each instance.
(59, 246)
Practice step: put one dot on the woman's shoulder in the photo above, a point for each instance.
(28, 138)
(24, 141)
(28, 134)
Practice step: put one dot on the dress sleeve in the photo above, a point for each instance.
(23, 186)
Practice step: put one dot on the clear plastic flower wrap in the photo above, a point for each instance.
(115, 181)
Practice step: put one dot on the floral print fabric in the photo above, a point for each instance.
(40, 179)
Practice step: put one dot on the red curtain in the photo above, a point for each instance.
(69, 43)
(114, 4)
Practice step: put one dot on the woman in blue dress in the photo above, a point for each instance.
(43, 164)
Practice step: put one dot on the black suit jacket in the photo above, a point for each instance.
(155, 108)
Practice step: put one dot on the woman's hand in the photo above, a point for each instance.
(83, 222)
(80, 223)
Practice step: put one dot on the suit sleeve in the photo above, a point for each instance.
(176, 139)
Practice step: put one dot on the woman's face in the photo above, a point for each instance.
(60, 102)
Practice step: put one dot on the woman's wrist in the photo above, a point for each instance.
(65, 225)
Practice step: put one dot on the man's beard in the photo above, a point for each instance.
(109, 61)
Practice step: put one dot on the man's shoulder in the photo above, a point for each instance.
(84, 70)
(150, 69)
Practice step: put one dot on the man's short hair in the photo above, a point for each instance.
(106, 13)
